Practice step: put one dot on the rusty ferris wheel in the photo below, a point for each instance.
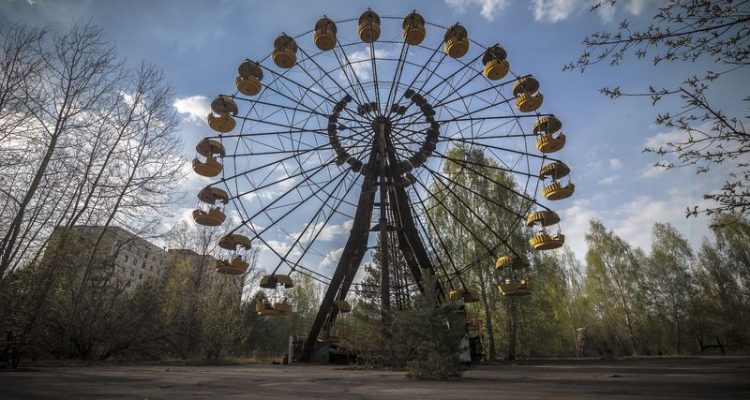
(346, 128)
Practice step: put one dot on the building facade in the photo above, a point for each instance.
(131, 258)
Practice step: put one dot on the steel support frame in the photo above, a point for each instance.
(382, 166)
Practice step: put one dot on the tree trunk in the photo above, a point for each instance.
(487, 316)
(512, 314)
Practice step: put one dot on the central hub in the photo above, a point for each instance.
(411, 136)
(382, 127)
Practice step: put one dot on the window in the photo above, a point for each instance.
(140, 276)
(126, 258)
(143, 266)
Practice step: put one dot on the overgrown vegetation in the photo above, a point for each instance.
(437, 332)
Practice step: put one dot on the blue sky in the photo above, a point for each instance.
(200, 43)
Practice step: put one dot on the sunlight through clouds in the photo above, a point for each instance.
(193, 108)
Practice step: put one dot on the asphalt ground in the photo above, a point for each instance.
(686, 378)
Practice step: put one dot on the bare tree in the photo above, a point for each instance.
(147, 163)
(75, 75)
(85, 140)
(689, 31)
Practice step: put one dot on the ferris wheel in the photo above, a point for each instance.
(349, 128)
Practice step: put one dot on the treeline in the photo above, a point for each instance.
(86, 140)
(185, 312)
(622, 301)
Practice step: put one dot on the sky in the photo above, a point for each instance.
(200, 43)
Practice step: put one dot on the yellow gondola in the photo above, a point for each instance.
(273, 281)
(221, 123)
(343, 306)
(543, 218)
(496, 65)
(555, 170)
(211, 194)
(232, 241)
(369, 26)
(224, 105)
(325, 34)
(546, 124)
(222, 266)
(282, 308)
(249, 78)
(208, 147)
(456, 41)
(213, 217)
(512, 288)
(543, 241)
(550, 143)
(466, 295)
(221, 118)
(513, 262)
(239, 265)
(265, 308)
(211, 168)
(556, 191)
(284, 51)
(414, 29)
(528, 97)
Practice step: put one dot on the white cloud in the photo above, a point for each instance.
(360, 64)
(489, 8)
(559, 10)
(608, 180)
(280, 247)
(664, 138)
(280, 186)
(634, 220)
(185, 215)
(285, 182)
(192, 182)
(638, 216)
(554, 10)
(195, 108)
(331, 258)
(652, 171)
(636, 7)
(606, 11)
(575, 223)
(329, 232)
(615, 163)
